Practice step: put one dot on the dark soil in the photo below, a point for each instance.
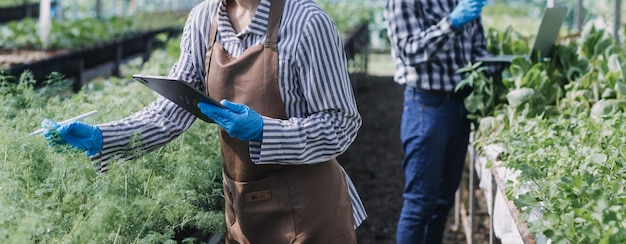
(374, 161)
(9, 58)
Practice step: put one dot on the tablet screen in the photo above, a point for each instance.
(179, 92)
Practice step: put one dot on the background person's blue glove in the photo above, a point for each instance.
(239, 120)
(77, 134)
(466, 11)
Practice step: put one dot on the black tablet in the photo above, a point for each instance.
(179, 92)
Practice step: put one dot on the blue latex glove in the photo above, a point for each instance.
(77, 134)
(237, 119)
(466, 11)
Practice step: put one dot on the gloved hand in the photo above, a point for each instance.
(77, 134)
(239, 120)
(466, 11)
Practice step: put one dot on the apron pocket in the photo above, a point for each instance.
(261, 207)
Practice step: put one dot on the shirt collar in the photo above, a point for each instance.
(257, 26)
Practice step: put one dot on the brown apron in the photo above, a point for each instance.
(272, 203)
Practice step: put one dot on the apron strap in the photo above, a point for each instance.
(276, 13)
(213, 33)
(209, 44)
(272, 26)
(271, 38)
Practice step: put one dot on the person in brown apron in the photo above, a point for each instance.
(269, 203)
(309, 201)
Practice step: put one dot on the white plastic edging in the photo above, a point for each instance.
(505, 222)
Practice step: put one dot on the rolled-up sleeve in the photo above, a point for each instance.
(161, 121)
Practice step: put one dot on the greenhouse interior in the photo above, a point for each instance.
(545, 163)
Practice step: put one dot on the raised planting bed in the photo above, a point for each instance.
(19, 12)
(82, 64)
(549, 144)
(16, 56)
(505, 223)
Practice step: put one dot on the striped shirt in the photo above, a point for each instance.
(313, 80)
(427, 50)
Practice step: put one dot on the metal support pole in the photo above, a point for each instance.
(578, 16)
(28, 9)
(493, 191)
(80, 78)
(457, 210)
(74, 9)
(99, 9)
(118, 59)
(616, 24)
(113, 11)
(125, 8)
(472, 197)
(148, 52)
(45, 22)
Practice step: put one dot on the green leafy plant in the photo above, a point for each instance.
(563, 131)
(53, 194)
(486, 92)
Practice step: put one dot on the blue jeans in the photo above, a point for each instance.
(435, 135)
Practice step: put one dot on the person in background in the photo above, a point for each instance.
(430, 41)
(280, 70)
(53, 9)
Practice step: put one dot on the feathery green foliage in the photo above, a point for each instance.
(53, 194)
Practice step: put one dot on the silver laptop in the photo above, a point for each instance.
(544, 42)
(179, 92)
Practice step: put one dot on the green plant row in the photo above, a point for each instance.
(12, 3)
(574, 168)
(53, 194)
(560, 122)
(68, 34)
(71, 34)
